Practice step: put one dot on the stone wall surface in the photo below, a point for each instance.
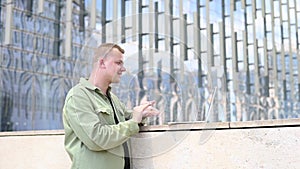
(226, 149)
(176, 146)
(36, 150)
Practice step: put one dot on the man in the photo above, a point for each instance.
(94, 119)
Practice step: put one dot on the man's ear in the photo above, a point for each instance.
(101, 63)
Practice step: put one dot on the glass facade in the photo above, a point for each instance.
(201, 60)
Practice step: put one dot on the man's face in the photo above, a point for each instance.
(114, 65)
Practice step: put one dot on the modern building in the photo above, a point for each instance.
(201, 60)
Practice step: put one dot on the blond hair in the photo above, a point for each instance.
(104, 49)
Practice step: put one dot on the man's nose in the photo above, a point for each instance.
(123, 68)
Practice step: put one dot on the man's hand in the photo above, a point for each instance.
(144, 110)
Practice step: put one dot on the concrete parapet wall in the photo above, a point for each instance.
(261, 144)
(33, 150)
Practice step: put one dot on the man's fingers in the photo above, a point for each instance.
(152, 102)
(146, 106)
(151, 111)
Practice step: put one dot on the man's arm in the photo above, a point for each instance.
(90, 130)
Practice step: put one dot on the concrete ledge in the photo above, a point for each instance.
(253, 144)
(256, 144)
(33, 150)
(32, 133)
(175, 126)
(266, 123)
(200, 125)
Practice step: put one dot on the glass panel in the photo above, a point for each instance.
(36, 73)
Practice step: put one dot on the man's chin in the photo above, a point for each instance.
(116, 80)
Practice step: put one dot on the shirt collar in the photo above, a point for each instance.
(90, 86)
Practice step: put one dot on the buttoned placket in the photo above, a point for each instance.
(125, 146)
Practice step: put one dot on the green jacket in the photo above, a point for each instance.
(92, 139)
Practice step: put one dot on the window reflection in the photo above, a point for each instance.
(36, 74)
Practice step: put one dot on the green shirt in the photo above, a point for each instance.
(92, 139)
